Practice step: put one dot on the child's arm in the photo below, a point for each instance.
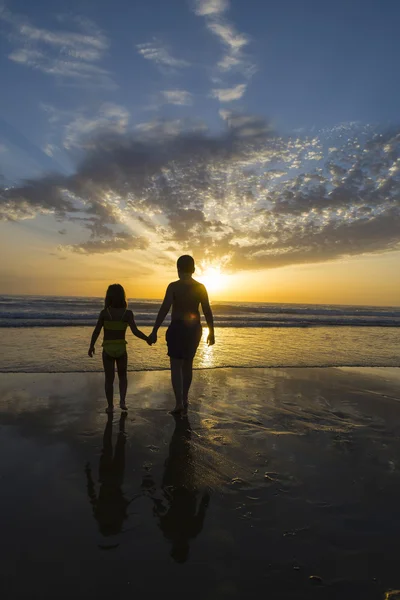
(162, 313)
(205, 305)
(96, 333)
(136, 332)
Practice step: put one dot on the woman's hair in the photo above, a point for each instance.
(185, 264)
(115, 297)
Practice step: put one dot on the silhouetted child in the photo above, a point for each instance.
(115, 318)
(184, 333)
(110, 505)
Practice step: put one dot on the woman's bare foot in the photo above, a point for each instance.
(123, 406)
(178, 410)
(110, 409)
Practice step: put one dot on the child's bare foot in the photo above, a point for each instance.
(110, 409)
(123, 406)
(178, 410)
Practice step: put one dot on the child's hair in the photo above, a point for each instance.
(185, 264)
(115, 297)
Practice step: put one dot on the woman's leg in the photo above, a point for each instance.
(187, 367)
(177, 382)
(109, 371)
(187, 374)
(122, 366)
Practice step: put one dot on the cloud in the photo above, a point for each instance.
(160, 55)
(248, 197)
(248, 127)
(68, 69)
(234, 59)
(49, 149)
(179, 97)
(229, 36)
(229, 63)
(68, 55)
(76, 45)
(111, 119)
(121, 242)
(229, 94)
(41, 196)
(205, 8)
(161, 129)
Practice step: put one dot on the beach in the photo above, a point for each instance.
(200, 206)
(281, 482)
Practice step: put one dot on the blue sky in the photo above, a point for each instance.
(291, 109)
(301, 64)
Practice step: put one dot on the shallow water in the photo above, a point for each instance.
(64, 349)
(57, 311)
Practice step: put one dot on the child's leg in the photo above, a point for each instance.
(119, 455)
(109, 372)
(122, 366)
(187, 373)
(177, 382)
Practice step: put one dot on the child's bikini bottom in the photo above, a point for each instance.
(114, 348)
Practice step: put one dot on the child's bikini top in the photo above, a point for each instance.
(119, 325)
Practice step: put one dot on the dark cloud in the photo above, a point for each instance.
(247, 196)
(335, 240)
(49, 194)
(118, 243)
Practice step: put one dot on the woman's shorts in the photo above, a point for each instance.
(183, 339)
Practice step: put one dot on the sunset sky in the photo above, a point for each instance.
(261, 137)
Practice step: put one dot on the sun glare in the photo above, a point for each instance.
(212, 278)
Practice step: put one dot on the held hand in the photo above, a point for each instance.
(148, 341)
(152, 338)
(91, 351)
(211, 339)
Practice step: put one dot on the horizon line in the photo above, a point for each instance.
(132, 299)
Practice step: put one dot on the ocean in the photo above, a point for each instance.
(51, 334)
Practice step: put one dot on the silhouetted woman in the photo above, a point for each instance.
(179, 516)
(184, 333)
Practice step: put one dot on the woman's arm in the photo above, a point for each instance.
(95, 334)
(205, 305)
(162, 313)
(136, 332)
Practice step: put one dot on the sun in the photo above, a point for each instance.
(212, 278)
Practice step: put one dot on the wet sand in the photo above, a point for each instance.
(282, 483)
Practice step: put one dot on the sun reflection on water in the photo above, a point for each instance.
(206, 359)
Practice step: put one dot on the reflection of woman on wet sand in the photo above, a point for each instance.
(110, 506)
(179, 518)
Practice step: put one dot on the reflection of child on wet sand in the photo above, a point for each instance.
(115, 318)
(110, 505)
(184, 333)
